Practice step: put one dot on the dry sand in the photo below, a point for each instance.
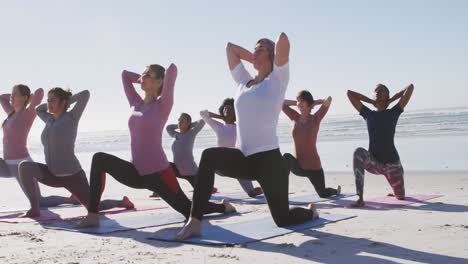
(432, 232)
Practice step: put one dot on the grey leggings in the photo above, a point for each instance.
(33, 172)
(9, 171)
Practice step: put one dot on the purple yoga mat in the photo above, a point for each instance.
(69, 213)
(387, 202)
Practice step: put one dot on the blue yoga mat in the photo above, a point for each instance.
(236, 197)
(125, 223)
(314, 198)
(245, 232)
(120, 224)
(293, 200)
(24, 208)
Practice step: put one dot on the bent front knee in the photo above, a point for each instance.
(27, 168)
(281, 221)
(359, 152)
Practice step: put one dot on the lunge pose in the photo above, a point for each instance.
(62, 168)
(149, 168)
(183, 138)
(258, 103)
(306, 127)
(226, 135)
(382, 156)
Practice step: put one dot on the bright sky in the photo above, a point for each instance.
(335, 46)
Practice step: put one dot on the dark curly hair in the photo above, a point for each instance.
(227, 101)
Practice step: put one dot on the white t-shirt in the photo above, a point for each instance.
(225, 133)
(258, 108)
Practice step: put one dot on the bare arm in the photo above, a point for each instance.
(282, 50)
(235, 54)
(318, 102)
(405, 96)
(287, 110)
(356, 100)
(289, 102)
(325, 105)
(217, 116)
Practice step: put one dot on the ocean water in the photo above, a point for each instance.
(434, 139)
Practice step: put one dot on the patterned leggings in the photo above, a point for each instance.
(393, 172)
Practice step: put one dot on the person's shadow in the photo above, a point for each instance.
(418, 205)
(327, 248)
(331, 248)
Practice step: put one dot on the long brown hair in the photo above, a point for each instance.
(62, 95)
(24, 91)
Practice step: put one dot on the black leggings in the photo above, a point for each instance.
(164, 183)
(190, 178)
(316, 177)
(265, 167)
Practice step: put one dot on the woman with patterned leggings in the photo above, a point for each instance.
(382, 157)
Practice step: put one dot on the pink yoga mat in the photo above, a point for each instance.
(68, 213)
(387, 202)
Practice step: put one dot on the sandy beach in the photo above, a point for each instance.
(435, 231)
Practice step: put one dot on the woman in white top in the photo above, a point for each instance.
(258, 104)
(226, 135)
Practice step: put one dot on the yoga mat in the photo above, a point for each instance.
(245, 232)
(124, 223)
(69, 213)
(293, 199)
(235, 196)
(388, 202)
(314, 198)
(24, 208)
(119, 224)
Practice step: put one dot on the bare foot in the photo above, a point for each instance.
(314, 210)
(154, 195)
(358, 204)
(255, 192)
(214, 190)
(229, 208)
(91, 220)
(33, 212)
(338, 190)
(126, 203)
(191, 229)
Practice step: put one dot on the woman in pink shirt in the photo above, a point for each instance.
(306, 127)
(149, 168)
(20, 106)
